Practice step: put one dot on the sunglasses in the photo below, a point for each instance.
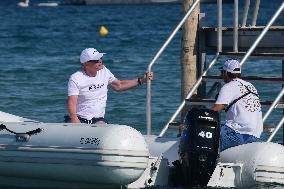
(96, 61)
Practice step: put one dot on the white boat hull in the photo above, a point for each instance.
(76, 155)
(238, 167)
(23, 4)
(47, 4)
(250, 164)
(55, 159)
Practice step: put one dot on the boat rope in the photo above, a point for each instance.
(33, 132)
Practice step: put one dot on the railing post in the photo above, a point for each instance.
(236, 24)
(262, 33)
(219, 29)
(255, 12)
(149, 69)
(283, 100)
(245, 13)
(276, 130)
(277, 99)
(148, 106)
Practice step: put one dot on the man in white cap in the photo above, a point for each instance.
(87, 88)
(240, 101)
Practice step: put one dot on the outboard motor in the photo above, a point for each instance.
(199, 146)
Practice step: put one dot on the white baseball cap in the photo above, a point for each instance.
(232, 66)
(90, 54)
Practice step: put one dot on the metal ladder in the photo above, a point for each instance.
(205, 77)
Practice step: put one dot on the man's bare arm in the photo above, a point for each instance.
(72, 106)
(122, 85)
(218, 107)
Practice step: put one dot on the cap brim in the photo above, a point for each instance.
(97, 57)
(100, 55)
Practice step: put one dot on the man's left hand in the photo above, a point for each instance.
(148, 75)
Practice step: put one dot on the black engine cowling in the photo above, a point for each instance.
(199, 146)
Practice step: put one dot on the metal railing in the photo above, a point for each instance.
(236, 24)
(276, 130)
(191, 92)
(264, 31)
(252, 48)
(148, 97)
(255, 13)
(220, 23)
(219, 49)
(272, 106)
(245, 13)
(279, 96)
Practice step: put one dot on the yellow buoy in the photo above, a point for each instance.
(103, 31)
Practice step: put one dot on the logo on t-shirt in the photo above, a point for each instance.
(251, 101)
(94, 87)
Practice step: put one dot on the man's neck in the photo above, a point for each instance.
(228, 80)
(90, 74)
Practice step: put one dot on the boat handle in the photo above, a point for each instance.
(21, 137)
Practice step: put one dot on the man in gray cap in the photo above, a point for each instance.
(87, 88)
(240, 101)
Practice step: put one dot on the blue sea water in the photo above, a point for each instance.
(40, 48)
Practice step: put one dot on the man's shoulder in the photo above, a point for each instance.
(237, 82)
(230, 84)
(245, 82)
(76, 75)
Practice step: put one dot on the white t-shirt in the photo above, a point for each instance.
(245, 116)
(91, 92)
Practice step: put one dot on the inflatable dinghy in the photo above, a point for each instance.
(70, 155)
(253, 163)
(241, 166)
